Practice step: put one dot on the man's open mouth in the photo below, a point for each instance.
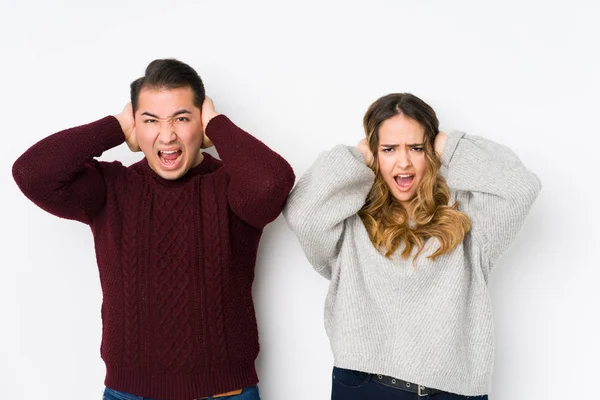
(169, 158)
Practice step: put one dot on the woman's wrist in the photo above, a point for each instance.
(440, 143)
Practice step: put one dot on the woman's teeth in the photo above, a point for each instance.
(404, 180)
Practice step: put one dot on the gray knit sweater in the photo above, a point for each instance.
(429, 322)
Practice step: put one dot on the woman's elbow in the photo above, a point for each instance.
(527, 190)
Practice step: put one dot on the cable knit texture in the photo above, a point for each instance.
(427, 322)
(176, 258)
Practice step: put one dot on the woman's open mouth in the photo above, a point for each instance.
(404, 181)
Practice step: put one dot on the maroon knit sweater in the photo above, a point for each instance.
(176, 258)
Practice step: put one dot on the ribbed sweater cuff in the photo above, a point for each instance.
(107, 133)
(451, 144)
(357, 155)
(218, 127)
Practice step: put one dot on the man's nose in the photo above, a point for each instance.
(167, 132)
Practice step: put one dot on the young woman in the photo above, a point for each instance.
(408, 226)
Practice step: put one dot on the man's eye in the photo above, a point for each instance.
(182, 119)
(150, 121)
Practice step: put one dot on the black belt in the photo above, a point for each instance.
(404, 385)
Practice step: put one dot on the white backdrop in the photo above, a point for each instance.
(299, 76)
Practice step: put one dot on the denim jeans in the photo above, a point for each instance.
(355, 385)
(250, 393)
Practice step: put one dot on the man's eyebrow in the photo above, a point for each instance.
(179, 112)
(176, 113)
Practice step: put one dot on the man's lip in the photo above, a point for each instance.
(175, 165)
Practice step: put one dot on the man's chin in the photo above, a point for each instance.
(169, 174)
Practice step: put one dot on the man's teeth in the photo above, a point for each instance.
(169, 152)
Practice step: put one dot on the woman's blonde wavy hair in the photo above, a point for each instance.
(387, 221)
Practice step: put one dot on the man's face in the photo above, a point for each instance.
(169, 130)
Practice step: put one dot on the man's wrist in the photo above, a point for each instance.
(210, 118)
(122, 124)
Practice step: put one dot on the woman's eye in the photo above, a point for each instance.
(388, 150)
(417, 148)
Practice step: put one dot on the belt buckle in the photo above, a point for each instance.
(420, 391)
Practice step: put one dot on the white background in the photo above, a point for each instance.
(299, 76)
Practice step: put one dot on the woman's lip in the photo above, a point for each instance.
(405, 188)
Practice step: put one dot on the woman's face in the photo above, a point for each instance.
(401, 156)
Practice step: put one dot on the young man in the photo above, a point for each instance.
(176, 234)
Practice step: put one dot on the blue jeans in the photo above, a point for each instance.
(355, 385)
(250, 393)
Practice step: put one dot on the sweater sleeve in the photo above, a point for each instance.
(260, 179)
(60, 175)
(497, 189)
(333, 189)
